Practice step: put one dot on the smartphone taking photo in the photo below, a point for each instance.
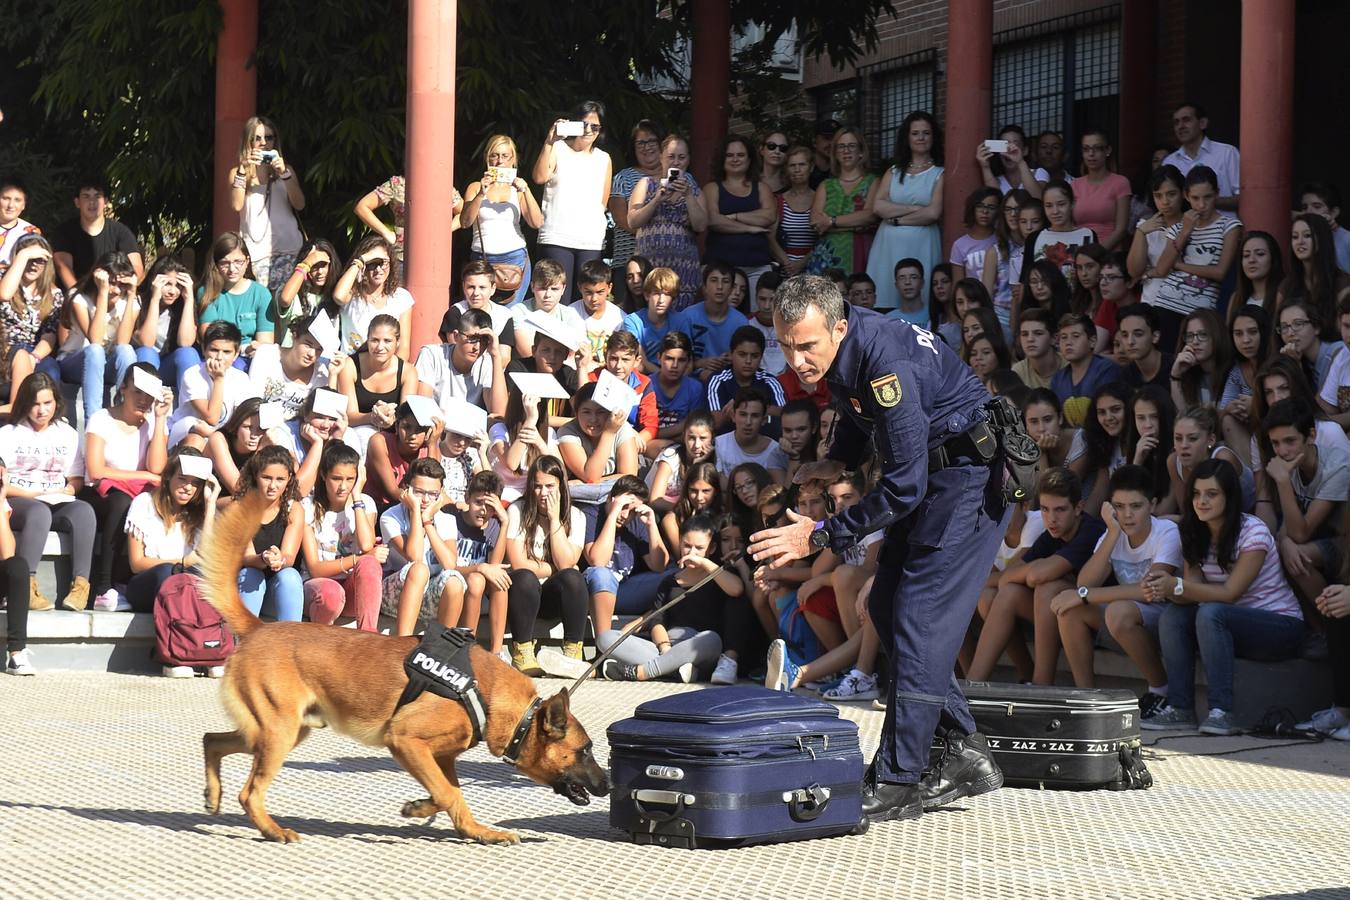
(570, 129)
(995, 146)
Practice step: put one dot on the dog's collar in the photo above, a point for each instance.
(511, 754)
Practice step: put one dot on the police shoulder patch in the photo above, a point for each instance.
(886, 390)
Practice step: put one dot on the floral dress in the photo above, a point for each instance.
(21, 330)
(847, 250)
(668, 240)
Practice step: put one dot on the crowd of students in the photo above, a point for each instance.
(591, 436)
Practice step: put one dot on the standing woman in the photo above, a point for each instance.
(1260, 274)
(228, 293)
(646, 156)
(909, 204)
(46, 467)
(842, 210)
(494, 210)
(393, 194)
(165, 332)
(792, 239)
(165, 526)
(30, 303)
(369, 287)
(1101, 195)
(665, 215)
(1167, 189)
(341, 556)
(266, 194)
(576, 176)
(1313, 276)
(773, 152)
(126, 447)
(267, 575)
(545, 535)
(309, 290)
(741, 212)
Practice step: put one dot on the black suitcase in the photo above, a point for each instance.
(731, 766)
(1056, 737)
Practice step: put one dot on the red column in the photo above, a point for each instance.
(970, 76)
(431, 141)
(1267, 114)
(236, 101)
(1138, 65)
(709, 82)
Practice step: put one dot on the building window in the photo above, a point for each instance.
(1060, 75)
(894, 89)
(838, 102)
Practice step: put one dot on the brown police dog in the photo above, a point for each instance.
(288, 677)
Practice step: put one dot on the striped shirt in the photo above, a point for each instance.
(1182, 293)
(722, 388)
(795, 234)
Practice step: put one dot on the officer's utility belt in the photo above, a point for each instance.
(1002, 432)
(440, 664)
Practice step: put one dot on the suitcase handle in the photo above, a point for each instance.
(664, 798)
(805, 804)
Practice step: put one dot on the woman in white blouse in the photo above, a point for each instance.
(576, 176)
(164, 528)
(494, 207)
(369, 287)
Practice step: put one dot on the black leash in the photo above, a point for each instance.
(637, 626)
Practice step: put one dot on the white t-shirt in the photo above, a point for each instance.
(599, 330)
(1156, 242)
(76, 341)
(270, 382)
(857, 554)
(434, 368)
(562, 312)
(41, 460)
(1033, 528)
(571, 433)
(1330, 482)
(160, 541)
(1336, 386)
(394, 523)
(336, 531)
(573, 214)
(356, 316)
(730, 455)
(500, 315)
(197, 386)
(122, 450)
(515, 530)
(774, 362)
(1162, 547)
(675, 486)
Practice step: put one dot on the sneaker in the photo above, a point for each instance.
(559, 665)
(613, 670)
(37, 599)
(20, 663)
(725, 673)
(215, 672)
(686, 673)
(1325, 721)
(178, 672)
(1149, 703)
(1341, 734)
(1221, 723)
(780, 671)
(573, 650)
(106, 601)
(522, 657)
(504, 655)
(822, 685)
(855, 686)
(77, 598)
(1167, 718)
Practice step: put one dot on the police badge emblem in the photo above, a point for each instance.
(886, 390)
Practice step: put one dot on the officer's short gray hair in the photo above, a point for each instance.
(801, 292)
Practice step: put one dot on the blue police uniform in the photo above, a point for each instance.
(903, 387)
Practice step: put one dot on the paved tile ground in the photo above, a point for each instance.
(100, 796)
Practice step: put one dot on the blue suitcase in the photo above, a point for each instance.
(731, 766)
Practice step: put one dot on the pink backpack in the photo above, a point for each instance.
(188, 632)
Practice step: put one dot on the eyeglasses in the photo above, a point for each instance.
(377, 264)
(647, 142)
(592, 127)
(850, 147)
(1286, 327)
(1196, 337)
(1093, 148)
(231, 264)
(426, 495)
(37, 263)
(777, 148)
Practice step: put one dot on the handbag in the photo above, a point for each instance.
(509, 276)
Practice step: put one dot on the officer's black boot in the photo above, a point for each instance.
(964, 768)
(885, 802)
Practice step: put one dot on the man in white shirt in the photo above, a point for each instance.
(467, 365)
(1189, 124)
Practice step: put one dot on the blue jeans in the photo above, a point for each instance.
(92, 370)
(282, 593)
(170, 370)
(1222, 631)
(519, 257)
(632, 596)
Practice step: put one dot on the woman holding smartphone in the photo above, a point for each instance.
(494, 207)
(666, 213)
(576, 176)
(266, 193)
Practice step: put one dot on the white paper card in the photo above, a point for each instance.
(424, 410)
(502, 174)
(322, 329)
(613, 394)
(463, 418)
(329, 403)
(195, 466)
(540, 386)
(270, 415)
(144, 381)
(551, 326)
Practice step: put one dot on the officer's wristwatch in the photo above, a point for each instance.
(820, 538)
(1082, 594)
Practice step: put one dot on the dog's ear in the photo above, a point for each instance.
(555, 714)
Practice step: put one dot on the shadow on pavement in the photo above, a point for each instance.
(593, 825)
(495, 774)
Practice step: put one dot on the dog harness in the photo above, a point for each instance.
(441, 664)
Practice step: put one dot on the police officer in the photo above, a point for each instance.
(940, 499)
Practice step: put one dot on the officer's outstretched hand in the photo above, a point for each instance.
(780, 546)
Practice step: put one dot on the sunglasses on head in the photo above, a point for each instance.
(770, 145)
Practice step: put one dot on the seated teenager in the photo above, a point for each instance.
(545, 535)
(747, 441)
(1147, 363)
(420, 577)
(766, 290)
(14, 580)
(306, 435)
(211, 390)
(1250, 332)
(465, 365)
(658, 319)
(1299, 338)
(165, 329)
(463, 455)
(775, 588)
(689, 639)
(665, 479)
(1044, 421)
(1032, 581)
(268, 578)
(1110, 590)
(624, 552)
(713, 322)
(1203, 361)
(745, 485)
(228, 293)
(390, 452)
(1231, 601)
(564, 354)
(288, 375)
(800, 423)
(165, 526)
(598, 445)
(478, 280)
(1147, 440)
(621, 361)
(126, 447)
(45, 474)
(1040, 357)
(1194, 439)
(700, 493)
(342, 560)
(518, 441)
(375, 381)
(747, 350)
(1099, 447)
(481, 554)
(548, 283)
(677, 395)
(1083, 371)
(231, 447)
(599, 317)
